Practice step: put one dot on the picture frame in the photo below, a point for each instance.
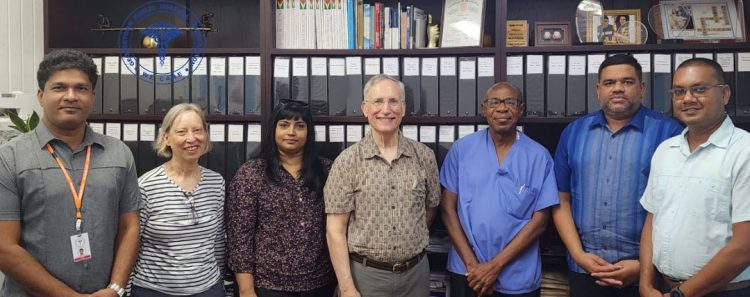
(463, 26)
(701, 20)
(607, 27)
(552, 34)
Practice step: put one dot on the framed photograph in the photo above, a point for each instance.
(621, 26)
(552, 33)
(701, 20)
(463, 21)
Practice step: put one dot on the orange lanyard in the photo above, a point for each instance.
(77, 195)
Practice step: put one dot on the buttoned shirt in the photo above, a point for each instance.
(276, 231)
(34, 191)
(495, 201)
(605, 174)
(387, 201)
(695, 198)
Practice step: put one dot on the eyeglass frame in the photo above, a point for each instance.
(191, 203)
(391, 102)
(692, 92)
(503, 101)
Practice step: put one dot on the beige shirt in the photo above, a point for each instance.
(387, 201)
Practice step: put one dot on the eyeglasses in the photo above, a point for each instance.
(496, 102)
(191, 203)
(392, 102)
(695, 91)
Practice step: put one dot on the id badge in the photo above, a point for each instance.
(81, 247)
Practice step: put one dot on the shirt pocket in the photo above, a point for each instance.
(716, 195)
(418, 190)
(520, 203)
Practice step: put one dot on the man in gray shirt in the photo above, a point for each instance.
(68, 196)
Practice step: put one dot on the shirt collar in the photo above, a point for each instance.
(45, 136)
(720, 138)
(370, 148)
(636, 121)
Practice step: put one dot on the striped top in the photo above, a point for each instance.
(182, 234)
(606, 174)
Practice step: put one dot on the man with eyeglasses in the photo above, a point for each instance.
(380, 199)
(696, 239)
(498, 185)
(601, 166)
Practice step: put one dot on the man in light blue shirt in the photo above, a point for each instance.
(498, 186)
(696, 239)
(601, 168)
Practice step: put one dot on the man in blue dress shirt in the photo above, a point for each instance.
(499, 185)
(602, 166)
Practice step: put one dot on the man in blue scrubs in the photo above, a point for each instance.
(499, 185)
(601, 168)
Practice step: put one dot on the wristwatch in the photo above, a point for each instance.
(120, 291)
(676, 292)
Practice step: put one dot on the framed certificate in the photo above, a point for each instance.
(701, 19)
(463, 21)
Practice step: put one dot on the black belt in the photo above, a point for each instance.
(392, 267)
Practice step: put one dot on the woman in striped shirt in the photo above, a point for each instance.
(182, 214)
(276, 214)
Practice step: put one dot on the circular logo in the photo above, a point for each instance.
(140, 24)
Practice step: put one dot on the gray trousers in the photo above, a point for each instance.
(373, 282)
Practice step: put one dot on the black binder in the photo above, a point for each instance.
(446, 137)
(592, 79)
(97, 108)
(236, 86)
(252, 85)
(556, 85)
(217, 158)
(726, 60)
(486, 79)
(319, 85)
(163, 93)
(645, 61)
(413, 86)
(252, 148)
(391, 67)
(743, 88)
(372, 68)
(337, 86)
(111, 85)
(662, 78)
(448, 87)
(181, 83)
(130, 138)
(217, 94)
(428, 136)
(576, 90)
(235, 149)
(199, 84)
(430, 87)
(353, 134)
(535, 82)
(354, 86)
(300, 82)
(281, 79)
(146, 155)
(467, 86)
(146, 85)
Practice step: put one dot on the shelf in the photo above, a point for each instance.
(158, 118)
(170, 51)
(386, 52)
(686, 47)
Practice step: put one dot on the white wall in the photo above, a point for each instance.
(21, 44)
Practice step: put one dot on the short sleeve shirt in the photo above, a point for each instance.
(695, 198)
(33, 190)
(495, 201)
(387, 201)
